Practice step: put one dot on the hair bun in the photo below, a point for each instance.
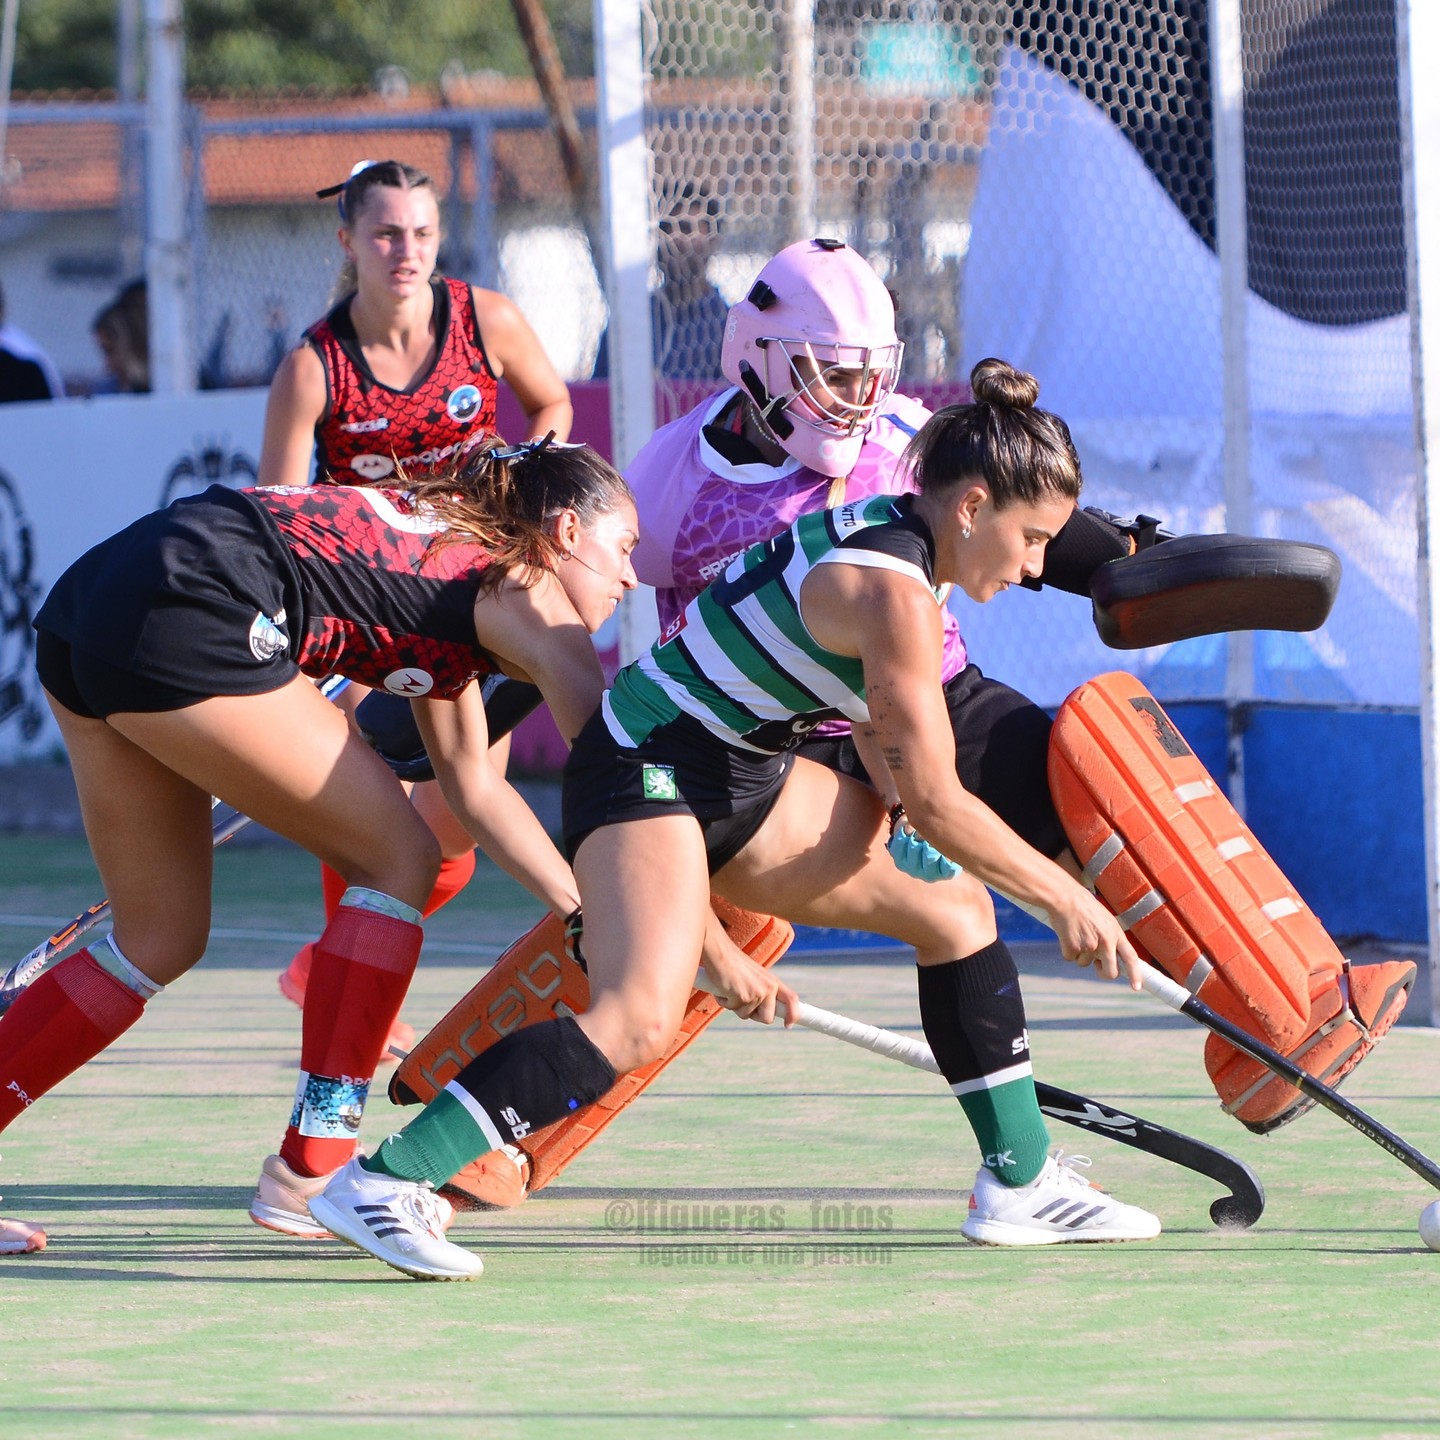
(994, 382)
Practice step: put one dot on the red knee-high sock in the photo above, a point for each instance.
(453, 878)
(332, 888)
(358, 979)
(68, 1016)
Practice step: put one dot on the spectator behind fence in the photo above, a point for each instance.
(687, 313)
(122, 331)
(26, 371)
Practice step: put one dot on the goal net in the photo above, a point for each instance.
(1037, 180)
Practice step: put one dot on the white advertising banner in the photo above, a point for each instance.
(73, 472)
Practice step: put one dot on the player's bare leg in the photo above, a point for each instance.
(642, 945)
(285, 758)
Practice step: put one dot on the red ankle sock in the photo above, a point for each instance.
(361, 970)
(68, 1016)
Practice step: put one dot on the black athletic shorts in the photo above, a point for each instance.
(680, 770)
(196, 600)
(1002, 741)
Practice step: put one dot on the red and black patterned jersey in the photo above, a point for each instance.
(369, 432)
(381, 600)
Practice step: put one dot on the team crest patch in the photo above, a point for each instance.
(372, 467)
(267, 637)
(658, 782)
(463, 404)
(409, 682)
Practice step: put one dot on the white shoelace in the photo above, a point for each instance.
(1067, 1171)
(426, 1207)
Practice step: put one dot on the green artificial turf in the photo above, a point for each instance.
(766, 1245)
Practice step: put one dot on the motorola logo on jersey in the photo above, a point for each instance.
(372, 467)
(409, 682)
(463, 404)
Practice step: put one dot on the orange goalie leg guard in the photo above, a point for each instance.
(1197, 893)
(535, 979)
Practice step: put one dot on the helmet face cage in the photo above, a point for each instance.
(836, 388)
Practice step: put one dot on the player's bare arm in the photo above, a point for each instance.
(520, 360)
(458, 742)
(535, 634)
(296, 404)
(892, 623)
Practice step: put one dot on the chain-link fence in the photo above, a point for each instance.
(1034, 178)
(263, 253)
(1037, 179)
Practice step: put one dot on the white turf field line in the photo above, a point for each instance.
(1039, 989)
(41, 923)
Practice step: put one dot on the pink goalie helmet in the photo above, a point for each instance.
(814, 346)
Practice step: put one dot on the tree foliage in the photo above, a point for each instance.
(270, 44)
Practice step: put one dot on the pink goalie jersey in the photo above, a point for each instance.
(699, 510)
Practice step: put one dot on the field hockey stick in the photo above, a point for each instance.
(1178, 998)
(23, 971)
(28, 968)
(1241, 1208)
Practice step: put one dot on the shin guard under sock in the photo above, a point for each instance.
(454, 876)
(66, 1017)
(974, 1018)
(358, 978)
(530, 1078)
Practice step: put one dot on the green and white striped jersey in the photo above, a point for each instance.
(740, 659)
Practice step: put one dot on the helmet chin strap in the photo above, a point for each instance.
(770, 407)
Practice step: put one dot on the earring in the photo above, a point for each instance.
(965, 532)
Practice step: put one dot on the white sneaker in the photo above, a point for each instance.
(1058, 1207)
(397, 1221)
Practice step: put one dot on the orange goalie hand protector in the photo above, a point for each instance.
(1196, 892)
(535, 979)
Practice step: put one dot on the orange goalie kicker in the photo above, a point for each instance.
(1197, 893)
(535, 979)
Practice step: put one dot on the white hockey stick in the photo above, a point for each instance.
(1241, 1207)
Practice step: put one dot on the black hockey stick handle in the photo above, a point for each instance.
(1241, 1207)
(1178, 998)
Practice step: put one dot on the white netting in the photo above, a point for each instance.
(1036, 180)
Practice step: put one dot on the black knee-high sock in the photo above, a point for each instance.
(974, 1018)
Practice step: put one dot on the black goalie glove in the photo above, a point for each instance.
(1149, 587)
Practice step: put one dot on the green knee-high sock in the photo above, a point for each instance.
(974, 1019)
